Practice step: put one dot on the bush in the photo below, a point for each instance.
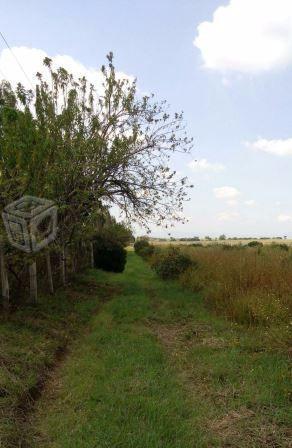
(109, 255)
(171, 264)
(147, 251)
(255, 244)
(232, 246)
(140, 244)
(281, 246)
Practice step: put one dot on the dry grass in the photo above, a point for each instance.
(247, 285)
(230, 242)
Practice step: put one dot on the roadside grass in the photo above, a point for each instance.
(156, 369)
(32, 341)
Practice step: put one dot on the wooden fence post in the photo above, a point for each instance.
(33, 282)
(49, 270)
(4, 279)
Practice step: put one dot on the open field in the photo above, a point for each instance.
(227, 241)
(248, 285)
(152, 368)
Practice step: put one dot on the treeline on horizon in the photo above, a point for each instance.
(208, 238)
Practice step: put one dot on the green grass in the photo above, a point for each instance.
(157, 370)
(153, 369)
(31, 341)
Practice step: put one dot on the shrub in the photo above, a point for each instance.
(255, 244)
(117, 231)
(109, 255)
(281, 246)
(171, 264)
(140, 244)
(227, 246)
(146, 251)
(232, 246)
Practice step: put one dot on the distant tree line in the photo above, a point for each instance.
(220, 238)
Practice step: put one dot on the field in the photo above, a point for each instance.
(232, 242)
(149, 366)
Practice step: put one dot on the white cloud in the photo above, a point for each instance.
(203, 165)
(31, 59)
(247, 36)
(226, 193)
(285, 218)
(232, 202)
(276, 147)
(228, 216)
(250, 202)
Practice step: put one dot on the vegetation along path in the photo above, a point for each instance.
(155, 370)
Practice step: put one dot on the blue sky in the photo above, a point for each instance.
(234, 85)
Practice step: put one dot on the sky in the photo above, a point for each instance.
(226, 63)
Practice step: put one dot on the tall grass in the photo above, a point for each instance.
(246, 284)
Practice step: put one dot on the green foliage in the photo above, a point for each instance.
(141, 244)
(89, 150)
(110, 229)
(230, 246)
(171, 264)
(109, 255)
(120, 232)
(281, 246)
(84, 149)
(146, 251)
(255, 244)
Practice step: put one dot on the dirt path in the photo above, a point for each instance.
(155, 370)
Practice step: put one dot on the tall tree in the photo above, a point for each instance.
(89, 149)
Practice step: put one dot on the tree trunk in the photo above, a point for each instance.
(33, 282)
(4, 280)
(91, 255)
(63, 266)
(49, 270)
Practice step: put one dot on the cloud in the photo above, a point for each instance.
(250, 202)
(228, 216)
(285, 218)
(31, 59)
(276, 147)
(203, 165)
(247, 36)
(232, 202)
(226, 193)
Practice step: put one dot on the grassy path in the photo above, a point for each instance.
(155, 370)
